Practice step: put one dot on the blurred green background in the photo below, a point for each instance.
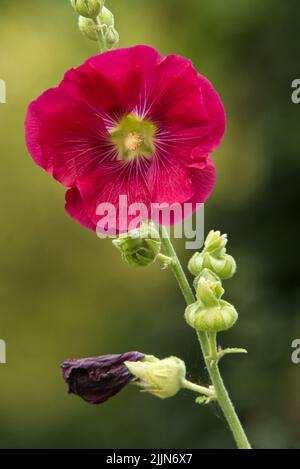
(66, 294)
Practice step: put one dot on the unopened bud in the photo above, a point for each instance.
(161, 378)
(215, 243)
(106, 17)
(214, 257)
(209, 288)
(88, 28)
(112, 37)
(140, 247)
(87, 8)
(217, 318)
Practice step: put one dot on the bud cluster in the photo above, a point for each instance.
(210, 313)
(96, 22)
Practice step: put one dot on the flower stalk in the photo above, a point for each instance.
(208, 392)
(98, 379)
(208, 344)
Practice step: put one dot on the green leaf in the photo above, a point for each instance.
(231, 351)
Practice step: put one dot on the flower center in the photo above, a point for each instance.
(133, 138)
(133, 141)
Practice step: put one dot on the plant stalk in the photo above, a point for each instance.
(209, 348)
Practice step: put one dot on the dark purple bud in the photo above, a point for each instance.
(98, 379)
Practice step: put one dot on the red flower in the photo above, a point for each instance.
(128, 122)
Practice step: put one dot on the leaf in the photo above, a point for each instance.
(201, 400)
(231, 351)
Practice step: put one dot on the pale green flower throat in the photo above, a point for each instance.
(133, 138)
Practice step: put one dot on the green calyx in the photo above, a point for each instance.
(134, 138)
(88, 28)
(210, 313)
(161, 378)
(106, 17)
(214, 257)
(87, 8)
(140, 247)
(112, 37)
(215, 319)
(209, 288)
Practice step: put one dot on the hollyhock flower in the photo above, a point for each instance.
(98, 379)
(128, 122)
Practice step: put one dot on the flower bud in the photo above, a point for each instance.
(87, 8)
(98, 379)
(224, 267)
(209, 288)
(112, 37)
(88, 28)
(215, 243)
(161, 378)
(140, 247)
(217, 318)
(106, 17)
(214, 257)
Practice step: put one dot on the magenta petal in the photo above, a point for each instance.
(93, 91)
(200, 162)
(125, 70)
(118, 62)
(76, 210)
(64, 138)
(50, 100)
(103, 96)
(107, 189)
(204, 181)
(169, 179)
(215, 110)
(110, 82)
(74, 141)
(176, 98)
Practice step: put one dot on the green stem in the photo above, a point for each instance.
(207, 344)
(213, 346)
(199, 389)
(166, 260)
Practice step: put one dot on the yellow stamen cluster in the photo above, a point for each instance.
(133, 141)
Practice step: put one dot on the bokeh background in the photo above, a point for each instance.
(64, 293)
